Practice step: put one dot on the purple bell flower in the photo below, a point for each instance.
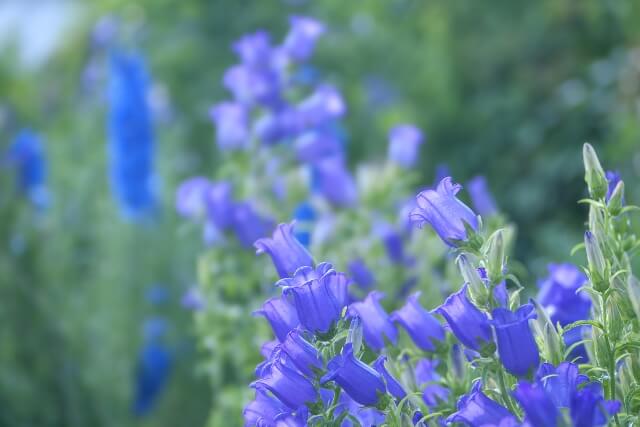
(404, 143)
(191, 197)
(393, 386)
(281, 315)
(613, 178)
(588, 407)
(376, 323)
(392, 241)
(444, 212)
(232, 125)
(301, 39)
(422, 327)
(477, 410)
(361, 273)
(286, 252)
(560, 382)
(319, 301)
(517, 347)
(481, 196)
(301, 353)
(254, 49)
(263, 410)
(288, 385)
(248, 224)
(470, 325)
(324, 104)
(335, 182)
(426, 376)
(250, 86)
(315, 145)
(366, 416)
(539, 408)
(361, 382)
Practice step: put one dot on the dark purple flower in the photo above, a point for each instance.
(481, 196)
(517, 347)
(375, 321)
(469, 324)
(285, 251)
(282, 316)
(477, 410)
(423, 328)
(315, 145)
(262, 410)
(301, 39)
(287, 384)
(248, 224)
(444, 212)
(301, 353)
(360, 381)
(539, 408)
(361, 273)
(318, 301)
(232, 125)
(335, 182)
(404, 143)
(393, 386)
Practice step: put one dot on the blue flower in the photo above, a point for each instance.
(254, 49)
(393, 242)
(301, 353)
(404, 143)
(444, 212)
(285, 251)
(613, 178)
(324, 104)
(192, 299)
(287, 384)
(248, 224)
(335, 182)
(481, 196)
(361, 273)
(27, 155)
(263, 410)
(304, 215)
(426, 378)
(423, 328)
(477, 410)
(375, 321)
(538, 406)
(250, 86)
(197, 197)
(517, 347)
(588, 407)
(318, 301)
(560, 382)
(232, 125)
(301, 39)
(361, 382)
(131, 142)
(315, 145)
(191, 197)
(469, 324)
(281, 315)
(393, 386)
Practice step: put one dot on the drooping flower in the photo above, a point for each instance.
(232, 125)
(560, 382)
(539, 408)
(423, 328)
(361, 273)
(287, 384)
(248, 225)
(365, 415)
(334, 181)
(517, 347)
(393, 386)
(444, 212)
(481, 196)
(281, 315)
(286, 252)
(404, 145)
(426, 378)
(470, 325)
(375, 321)
(131, 141)
(477, 410)
(360, 381)
(301, 353)
(301, 39)
(26, 154)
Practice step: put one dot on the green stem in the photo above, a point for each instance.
(503, 389)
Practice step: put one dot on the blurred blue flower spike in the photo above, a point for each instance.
(26, 155)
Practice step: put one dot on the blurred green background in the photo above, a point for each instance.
(508, 89)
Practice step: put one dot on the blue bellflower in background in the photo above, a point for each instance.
(131, 145)
(517, 347)
(301, 39)
(286, 252)
(481, 196)
(26, 155)
(304, 215)
(232, 125)
(423, 328)
(613, 178)
(376, 324)
(426, 379)
(287, 384)
(441, 209)
(393, 386)
(477, 410)
(404, 145)
(361, 274)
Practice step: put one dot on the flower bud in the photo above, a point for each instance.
(594, 174)
(495, 257)
(477, 288)
(552, 344)
(597, 265)
(355, 334)
(617, 199)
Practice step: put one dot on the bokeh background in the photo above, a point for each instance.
(507, 89)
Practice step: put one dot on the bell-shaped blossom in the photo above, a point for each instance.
(301, 353)
(477, 410)
(250, 86)
(560, 382)
(517, 347)
(538, 407)
(281, 315)
(254, 49)
(324, 104)
(262, 410)
(481, 196)
(404, 145)
(426, 378)
(315, 145)
(333, 180)
(318, 301)
(232, 125)
(360, 381)
(366, 416)
(301, 39)
(375, 321)
(444, 212)
(288, 385)
(360, 273)
(393, 386)
(470, 325)
(286, 252)
(422, 327)
(248, 225)
(392, 241)
(588, 407)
